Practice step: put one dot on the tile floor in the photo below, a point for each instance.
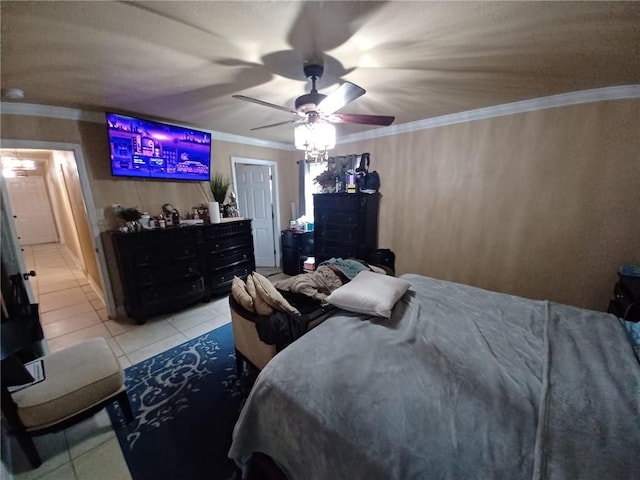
(71, 311)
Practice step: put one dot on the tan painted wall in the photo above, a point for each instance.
(65, 217)
(543, 204)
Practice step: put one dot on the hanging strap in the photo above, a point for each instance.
(364, 158)
(18, 291)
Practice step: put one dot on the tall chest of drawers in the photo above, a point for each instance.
(167, 269)
(345, 225)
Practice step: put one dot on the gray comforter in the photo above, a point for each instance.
(460, 383)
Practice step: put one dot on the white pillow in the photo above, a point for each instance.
(370, 293)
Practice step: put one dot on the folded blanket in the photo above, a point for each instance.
(350, 268)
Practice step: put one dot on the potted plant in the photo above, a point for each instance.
(130, 215)
(219, 186)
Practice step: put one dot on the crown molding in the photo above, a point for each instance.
(65, 113)
(543, 103)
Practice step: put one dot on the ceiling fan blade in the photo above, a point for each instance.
(266, 104)
(279, 123)
(345, 93)
(382, 120)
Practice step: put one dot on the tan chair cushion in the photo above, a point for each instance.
(76, 379)
(261, 306)
(241, 295)
(271, 296)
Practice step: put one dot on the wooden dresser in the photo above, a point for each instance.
(167, 269)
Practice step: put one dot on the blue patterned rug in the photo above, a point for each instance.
(185, 402)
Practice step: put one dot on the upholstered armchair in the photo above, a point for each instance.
(78, 382)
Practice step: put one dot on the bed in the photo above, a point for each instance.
(459, 383)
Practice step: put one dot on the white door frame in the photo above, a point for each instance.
(275, 197)
(87, 195)
(12, 237)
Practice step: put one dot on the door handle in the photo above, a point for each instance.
(26, 276)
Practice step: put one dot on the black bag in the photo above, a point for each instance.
(27, 315)
(367, 180)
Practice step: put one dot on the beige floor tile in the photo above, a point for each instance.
(49, 287)
(65, 472)
(74, 338)
(118, 327)
(91, 295)
(144, 335)
(102, 313)
(87, 435)
(163, 345)
(65, 298)
(66, 312)
(52, 449)
(205, 327)
(71, 324)
(115, 348)
(97, 303)
(104, 462)
(189, 320)
(124, 361)
(221, 304)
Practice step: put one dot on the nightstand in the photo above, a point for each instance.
(296, 247)
(626, 298)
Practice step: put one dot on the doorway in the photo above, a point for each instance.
(256, 184)
(32, 212)
(66, 180)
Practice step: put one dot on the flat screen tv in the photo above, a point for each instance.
(147, 149)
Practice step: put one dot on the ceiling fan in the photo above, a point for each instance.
(313, 106)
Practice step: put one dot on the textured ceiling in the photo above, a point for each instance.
(182, 61)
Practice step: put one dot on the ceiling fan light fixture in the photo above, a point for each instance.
(316, 139)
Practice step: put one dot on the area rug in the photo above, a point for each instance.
(186, 402)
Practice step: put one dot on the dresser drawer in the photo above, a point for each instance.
(333, 233)
(345, 218)
(165, 253)
(221, 230)
(166, 272)
(182, 289)
(339, 202)
(226, 258)
(223, 278)
(244, 240)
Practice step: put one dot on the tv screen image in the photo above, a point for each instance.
(148, 149)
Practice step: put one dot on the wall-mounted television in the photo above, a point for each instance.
(147, 149)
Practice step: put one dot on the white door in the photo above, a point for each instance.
(12, 258)
(255, 201)
(32, 213)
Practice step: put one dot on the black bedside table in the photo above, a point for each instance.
(626, 298)
(296, 248)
